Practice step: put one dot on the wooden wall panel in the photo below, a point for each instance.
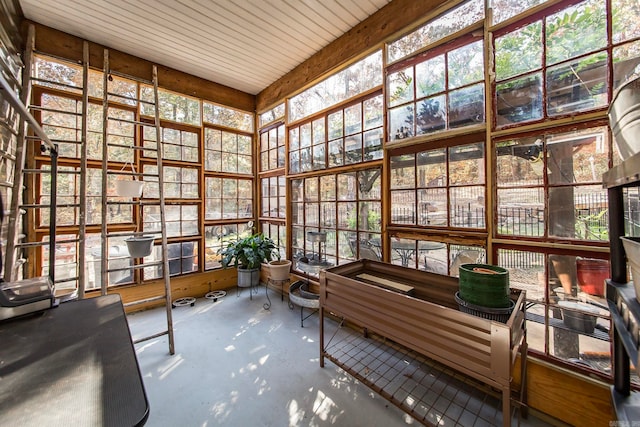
(192, 285)
(63, 45)
(388, 21)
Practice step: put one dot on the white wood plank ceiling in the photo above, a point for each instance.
(244, 44)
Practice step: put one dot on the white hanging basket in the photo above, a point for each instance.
(129, 187)
(139, 247)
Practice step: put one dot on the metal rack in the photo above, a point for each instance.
(621, 296)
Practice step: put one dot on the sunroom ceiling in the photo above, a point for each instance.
(243, 44)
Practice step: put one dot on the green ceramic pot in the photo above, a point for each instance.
(484, 285)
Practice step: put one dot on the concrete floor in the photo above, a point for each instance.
(237, 364)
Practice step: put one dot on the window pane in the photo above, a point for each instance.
(519, 100)
(430, 76)
(432, 168)
(466, 106)
(432, 207)
(227, 117)
(505, 9)
(373, 112)
(626, 63)
(401, 122)
(466, 164)
(577, 86)
(465, 65)
(353, 119)
(400, 87)
(450, 22)
(403, 171)
(625, 20)
(519, 162)
(578, 157)
(373, 145)
(467, 207)
(576, 30)
(432, 115)
(520, 212)
(403, 205)
(335, 125)
(519, 51)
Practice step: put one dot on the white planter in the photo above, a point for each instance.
(279, 270)
(129, 188)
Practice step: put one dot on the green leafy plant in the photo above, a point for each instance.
(249, 252)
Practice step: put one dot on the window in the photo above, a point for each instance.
(356, 79)
(572, 205)
(443, 187)
(347, 206)
(273, 198)
(228, 136)
(564, 74)
(350, 135)
(451, 22)
(272, 115)
(441, 92)
(218, 237)
(223, 116)
(228, 198)
(272, 154)
(173, 106)
(227, 152)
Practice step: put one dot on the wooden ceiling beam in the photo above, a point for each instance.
(63, 45)
(391, 19)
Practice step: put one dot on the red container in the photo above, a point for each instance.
(591, 275)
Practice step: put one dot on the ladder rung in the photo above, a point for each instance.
(36, 206)
(53, 110)
(36, 79)
(133, 122)
(135, 266)
(130, 77)
(134, 202)
(61, 172)
(7, 155)
(127, 173)
(131, 147)
(150, 337)
(8, 126)
(68, 279)
(66, 141)
(146, 300)
(130, 98)
(31, 244)
(135, 233)
(6, 184)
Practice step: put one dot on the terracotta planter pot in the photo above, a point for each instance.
(591, 274)
(279, 270)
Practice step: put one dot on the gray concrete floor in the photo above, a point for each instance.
(237, 364)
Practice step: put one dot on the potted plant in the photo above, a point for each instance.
(247, 255)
